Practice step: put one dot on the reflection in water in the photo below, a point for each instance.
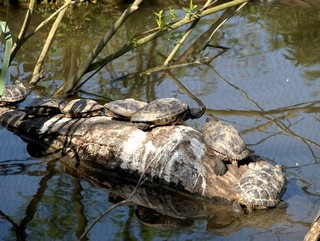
(295, 28)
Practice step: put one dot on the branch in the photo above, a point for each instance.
(135, 44)
(23, 30)
(71, 84)
(36, 76)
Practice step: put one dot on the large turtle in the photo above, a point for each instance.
(13, 94)
(166, 111)
(261, 186)
(79, 108)
(123, 109)
(44, 107)
(223, 142)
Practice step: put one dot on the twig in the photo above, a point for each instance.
(186, 35)
(72, 83)
(134, 44)
(70, 86)
(279, 123)
(223, 18)
(180, 42)
(36, 72)
(185, 90)
(23, 29)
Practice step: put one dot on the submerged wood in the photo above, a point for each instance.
(177, 153)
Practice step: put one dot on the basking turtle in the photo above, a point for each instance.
(44, 107)
(167, 111)
(261, 186)
(13, 94)
(123, 109)
(79, 108)
(224, 143)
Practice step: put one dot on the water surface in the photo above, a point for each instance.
(266, 84)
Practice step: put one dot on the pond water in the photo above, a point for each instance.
(266, 84)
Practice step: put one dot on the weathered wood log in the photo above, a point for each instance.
(171, 155)
(314, 232)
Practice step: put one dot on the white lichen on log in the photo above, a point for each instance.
(177, 153)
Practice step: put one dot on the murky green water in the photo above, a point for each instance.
(269, 91)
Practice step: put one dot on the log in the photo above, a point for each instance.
(314, 232)
(173, 156)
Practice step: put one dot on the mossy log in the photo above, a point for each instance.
(174, 156)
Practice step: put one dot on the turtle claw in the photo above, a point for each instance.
(235, 162)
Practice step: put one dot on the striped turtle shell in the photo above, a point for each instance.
(13, 94)
(223, 142)
(79, 108)
(123, 109)
(166, 111)
(44, 107)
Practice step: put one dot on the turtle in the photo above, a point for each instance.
(79, 108)
(223, 142)
(13, 94)
(261, 186)
(165, 111)
(123, 109)
(44, 107)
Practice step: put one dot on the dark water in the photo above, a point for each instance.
(269, 91)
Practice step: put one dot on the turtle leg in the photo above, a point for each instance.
(220, 167)
(237, 209)
(249, 207)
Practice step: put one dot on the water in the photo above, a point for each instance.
(269, 91)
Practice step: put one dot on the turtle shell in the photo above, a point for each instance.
(79, 108)
(223, 139)
(162, 112)
(44, 107)
(123, 109)
(13, 94)
(261, 186)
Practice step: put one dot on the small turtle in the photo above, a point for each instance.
(224, 143)
(261, 186)
(44, 107)
(79, 108)
(123, 109)
(13, 94)
(167, 111)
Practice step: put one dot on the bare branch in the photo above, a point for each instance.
(37, 70)
(23, 30)
(70, 84)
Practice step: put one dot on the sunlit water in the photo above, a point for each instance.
(270, 83)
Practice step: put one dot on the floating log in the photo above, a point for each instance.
(314, 232)
(174, 156)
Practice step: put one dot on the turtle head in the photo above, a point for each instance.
(61, 105)
(196, 113)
